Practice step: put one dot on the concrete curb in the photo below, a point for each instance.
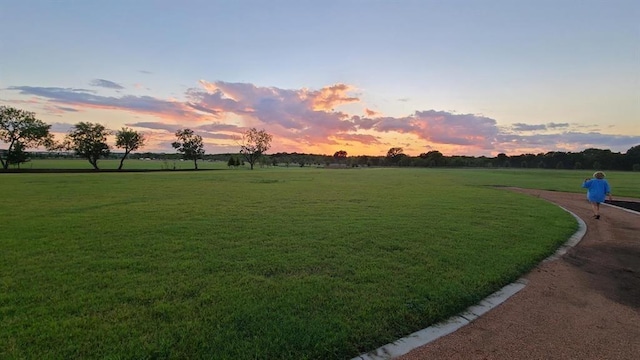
(425, 336)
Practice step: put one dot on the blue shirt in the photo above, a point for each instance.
(597, 189)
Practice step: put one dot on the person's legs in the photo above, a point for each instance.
(595, 208)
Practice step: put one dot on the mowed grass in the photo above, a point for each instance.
(128, 164)
(265, 264)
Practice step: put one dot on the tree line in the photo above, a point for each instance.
(600, 159)
(21, 130)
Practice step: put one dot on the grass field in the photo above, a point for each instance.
(129, 164)
(278, 263)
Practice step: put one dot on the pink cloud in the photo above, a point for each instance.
(456, 129)
(360, 138)
(327, 98)
(303, 119)
(370, 113)
(87, 99)
(298, 113)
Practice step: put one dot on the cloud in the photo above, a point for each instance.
(566, 141)
(58, 127)
(304, 119)
(525, 127)
(211, 131)
(370, 113)
(329, 97)
(302, 113)
(538, 127)
(106, 84)
(213, 127)
(440, 127)
(360, 138)
(207, 135)
(88, 99)
(68, 109)
(557, 125)
(172, 128)
(387, 124)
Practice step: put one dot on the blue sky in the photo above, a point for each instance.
(461, 77)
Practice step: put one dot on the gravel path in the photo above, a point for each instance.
(585, 305)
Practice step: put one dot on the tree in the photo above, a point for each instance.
(395, 151)
(254, 144)
(17, 156)
(190, 145)
(340, 155)
(433, 158)
(89, 141)
(21, 130)
(633, 158)
(129, 140)
(233, 161)
(395, 154)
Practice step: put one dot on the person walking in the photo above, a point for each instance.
(597, 190)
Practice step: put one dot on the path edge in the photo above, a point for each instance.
(433, 332)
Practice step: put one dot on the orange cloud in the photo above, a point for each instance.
(370, 113)
(305, 120)
(327, 98)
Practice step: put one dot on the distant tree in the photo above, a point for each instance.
(433, 158)
(395, 154)
(129, 140)
(634, 151)
(254, 144)
(598, 159)
(264, 161)
(89, 141)
(233, 161)
(21, 130)
(394, 151)
(363, 160)
(502, 159)
(632, 157)
(340, 156)
(190, 145)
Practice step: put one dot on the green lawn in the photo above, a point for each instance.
(129, 164)
(278, 263)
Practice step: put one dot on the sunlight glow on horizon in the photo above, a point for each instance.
(520, 77)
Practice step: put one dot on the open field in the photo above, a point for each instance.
(129, 164)
(286, 263)
(623, 183)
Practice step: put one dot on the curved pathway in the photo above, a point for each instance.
(584, 305)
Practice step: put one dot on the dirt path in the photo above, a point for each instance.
(585, 305)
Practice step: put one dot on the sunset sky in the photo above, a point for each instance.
(463, 77)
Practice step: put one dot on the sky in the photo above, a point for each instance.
(462, 77)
